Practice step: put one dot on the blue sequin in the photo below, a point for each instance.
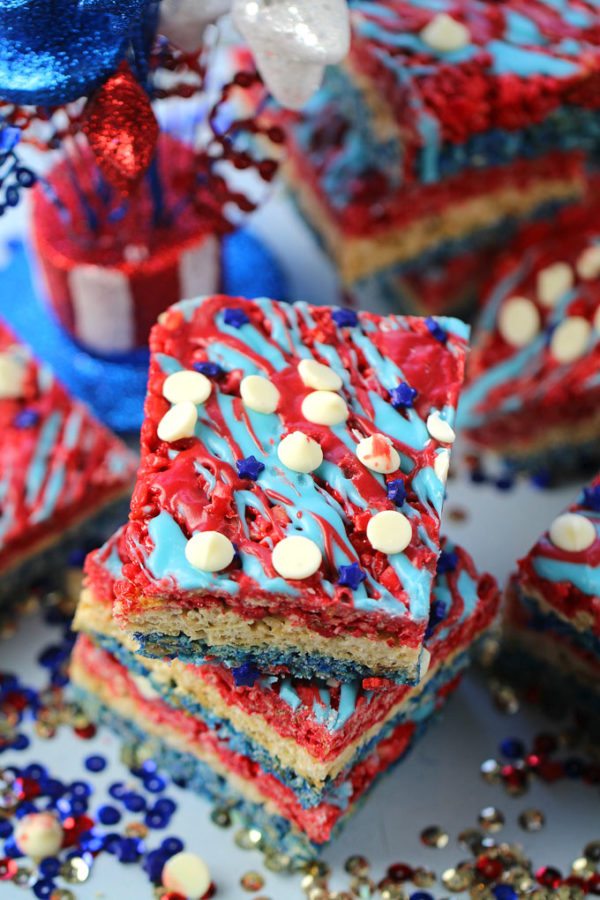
(166, 806)
(250, 467)
(235, 317)
(134, 802)
(351, 576)
(95, 763)
(512, 748)
(155, 784)
(403, 396)
(50, 867)
(344, 318)
(172, 845)
(109, 815)
(504, 892)
(128, 849)
(44, 888)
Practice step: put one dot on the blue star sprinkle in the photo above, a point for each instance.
(437, 614)
(436, 330)
(245, 675)
(591, 498)
(396, 491)
(344, 318)
(27, 418)
(210, 369)
(403, 396)
(249, 467)
(351, 576)
(447, 562)
(235, 317)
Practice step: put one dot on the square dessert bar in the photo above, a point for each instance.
(63, 475)
(533, 382)
(446, 122)
(552, 622)
(295, 756)
(287, 508)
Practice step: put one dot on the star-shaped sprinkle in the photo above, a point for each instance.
(591, 498)
(436, 330)
(27, 418)
(403, 396)
(250, 467)
(351, 576)
(235, 317)
(447, 562)
(210, 369)
(437, 614)
(396, 491)
(245, 675)
(344, 318)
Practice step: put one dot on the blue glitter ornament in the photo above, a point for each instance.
(53, 53)
(344, 318)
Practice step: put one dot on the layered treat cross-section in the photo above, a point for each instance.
(304, 752)
(62, 473)
(288, 504)
(553, 612)
(533, 385)
(447, 122)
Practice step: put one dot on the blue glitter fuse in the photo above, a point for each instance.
(235, 317)
(210, 369)
(27, 418)
(95, 763)
(436, 330)
(396, 491)
(403, 396)
(351, 576)
(245, 675)
(447, 562)
(250, 467)
(512, 748)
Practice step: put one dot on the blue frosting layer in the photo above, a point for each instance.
(549, 621)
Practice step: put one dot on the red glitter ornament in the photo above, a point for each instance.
(121, 129)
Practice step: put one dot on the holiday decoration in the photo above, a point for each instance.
(293, 42)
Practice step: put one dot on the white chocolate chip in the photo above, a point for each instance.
(259, 394)
(439, 429)
(572, 532)
(39, 835)
(378, 453)
(519, 321)
(389, 531)
(300, 453)
(209, 551)
(12, 375)
(588, 263)
(445, 34)
(324, 408)
(441, 465)
(570, 339)
(186, 874)
(296, 557)
(553, 282)
(179, 422)
(187, 385)
(315, 375)
(424, 663)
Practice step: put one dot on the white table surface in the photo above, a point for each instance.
(438, 784)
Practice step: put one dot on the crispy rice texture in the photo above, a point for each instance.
(358, 258)
(548, 438)
(94, 617)
(127, 708)
(225, 628)
(555, 653)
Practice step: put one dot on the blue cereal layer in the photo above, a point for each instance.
(157, 646)
(419, 707)
(189, 772)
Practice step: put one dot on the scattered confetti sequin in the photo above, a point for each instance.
(458, 879)
(435, 836)
(252, 881)
(532, 820)
(491, 819)
(357, 865)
